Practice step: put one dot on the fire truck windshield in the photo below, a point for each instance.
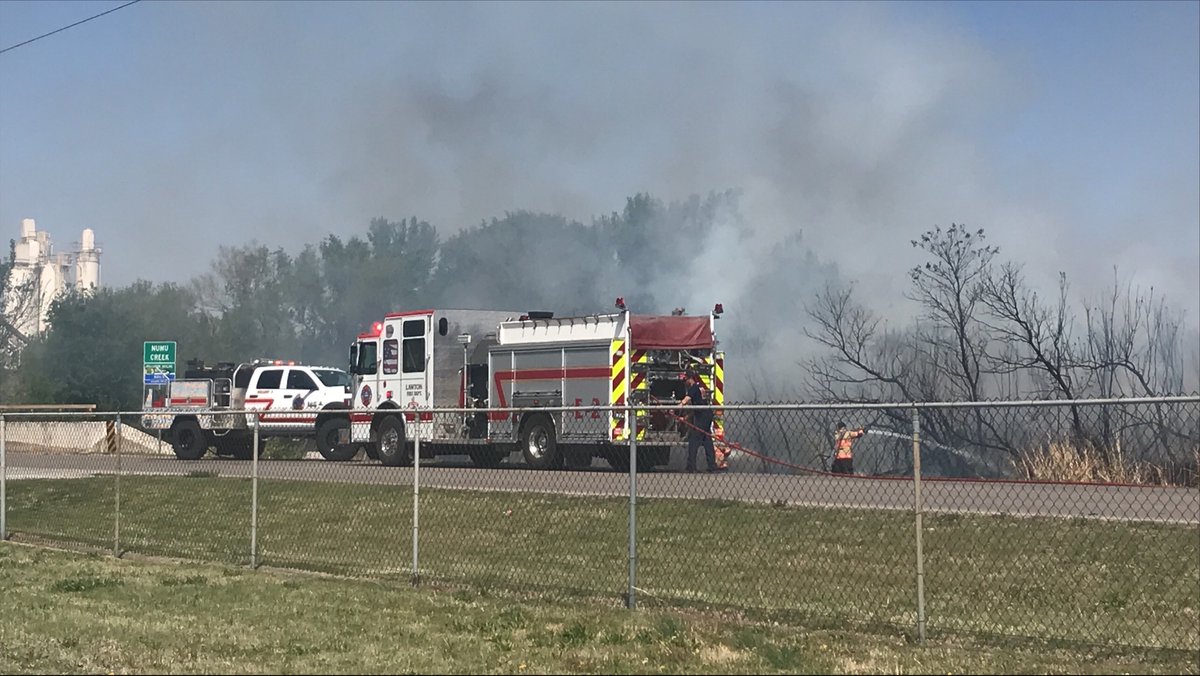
(368, 356)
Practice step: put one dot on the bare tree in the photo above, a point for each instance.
(950, 288)
(1133, 348)
(870, 363)
(18, 302)
(1039, 335)
(1043, 333)
(862, 356)
(985, 331)
(1133, 343)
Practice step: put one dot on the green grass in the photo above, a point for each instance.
(1072, 580)
(285, 449)
(68, 612)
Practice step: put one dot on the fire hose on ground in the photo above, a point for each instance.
(740, 448)
(816, 472)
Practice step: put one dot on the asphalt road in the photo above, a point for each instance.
(1124, 503)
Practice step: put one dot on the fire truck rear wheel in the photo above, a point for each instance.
(538, 443)
(188, 440)
(327, 440)
(393, 447)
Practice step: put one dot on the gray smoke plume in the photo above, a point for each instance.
(842, 130)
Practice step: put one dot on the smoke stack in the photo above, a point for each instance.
(87, 264)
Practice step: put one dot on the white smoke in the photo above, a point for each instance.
(845, 129)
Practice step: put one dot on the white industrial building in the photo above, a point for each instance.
(39, 275)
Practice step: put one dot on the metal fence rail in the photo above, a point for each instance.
(1075, 521)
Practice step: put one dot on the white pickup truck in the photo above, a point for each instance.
(216, 407)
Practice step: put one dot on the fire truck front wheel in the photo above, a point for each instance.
(393, 447)
(188, 440)
(327, 440)
(538, 443)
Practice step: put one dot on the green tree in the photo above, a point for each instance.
(364, 279)
(246, 295)
(92, 352)
(524, 261)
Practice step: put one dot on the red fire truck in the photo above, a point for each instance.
(483, 360)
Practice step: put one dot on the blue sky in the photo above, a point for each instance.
(1069, 130)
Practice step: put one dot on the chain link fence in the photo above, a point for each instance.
(1070, 521)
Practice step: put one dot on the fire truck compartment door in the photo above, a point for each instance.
(415, 363)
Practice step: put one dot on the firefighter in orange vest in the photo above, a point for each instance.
(843, 448)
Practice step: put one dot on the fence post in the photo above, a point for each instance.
(416, 577)
(254, 497)
(916, 441)
(631, 598)
(117, 489)
(3, 485)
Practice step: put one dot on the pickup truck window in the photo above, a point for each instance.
(299, 380)
(269, 379)
(241, 378)
(332, 377)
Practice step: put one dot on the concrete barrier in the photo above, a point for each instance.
(80, 437)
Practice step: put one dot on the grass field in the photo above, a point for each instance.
(68, 612)
(1079, 581)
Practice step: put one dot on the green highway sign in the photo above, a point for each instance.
(158, 361)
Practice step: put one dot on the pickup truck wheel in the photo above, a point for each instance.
(188, 440)
(538, 443)
(393, 447)
(327, 440)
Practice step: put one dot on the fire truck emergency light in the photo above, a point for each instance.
(620, 302)
(718, 309)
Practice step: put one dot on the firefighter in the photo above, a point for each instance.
(700, 430)
(843, 448)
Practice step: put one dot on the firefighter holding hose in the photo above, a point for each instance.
(843, 448)
(700, 432)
